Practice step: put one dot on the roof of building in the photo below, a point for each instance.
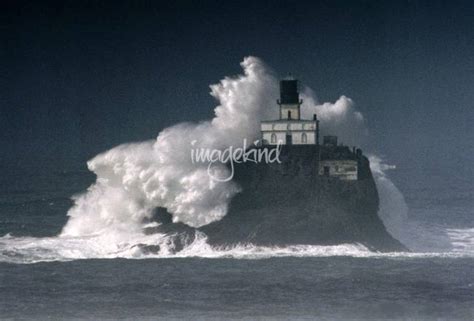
(289, 120)
(337, 153)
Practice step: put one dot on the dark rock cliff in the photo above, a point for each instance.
(289, 203)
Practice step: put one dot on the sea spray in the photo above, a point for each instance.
(393, 208)
(109, 219)
(340, 118)
(134, 179)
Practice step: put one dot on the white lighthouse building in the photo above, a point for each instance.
(333, 161)
(290, 129)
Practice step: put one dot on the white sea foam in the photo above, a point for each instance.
(25, 250)
(462, 240)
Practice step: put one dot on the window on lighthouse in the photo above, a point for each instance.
(273, 139)
(304, 139)
(289, 114)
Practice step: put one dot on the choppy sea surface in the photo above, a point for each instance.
(45, 277)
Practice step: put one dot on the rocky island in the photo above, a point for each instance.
(318, 194)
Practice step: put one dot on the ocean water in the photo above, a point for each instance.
(46, 277)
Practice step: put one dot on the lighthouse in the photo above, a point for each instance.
(290, 128)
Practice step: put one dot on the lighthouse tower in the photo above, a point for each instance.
(290, 129)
